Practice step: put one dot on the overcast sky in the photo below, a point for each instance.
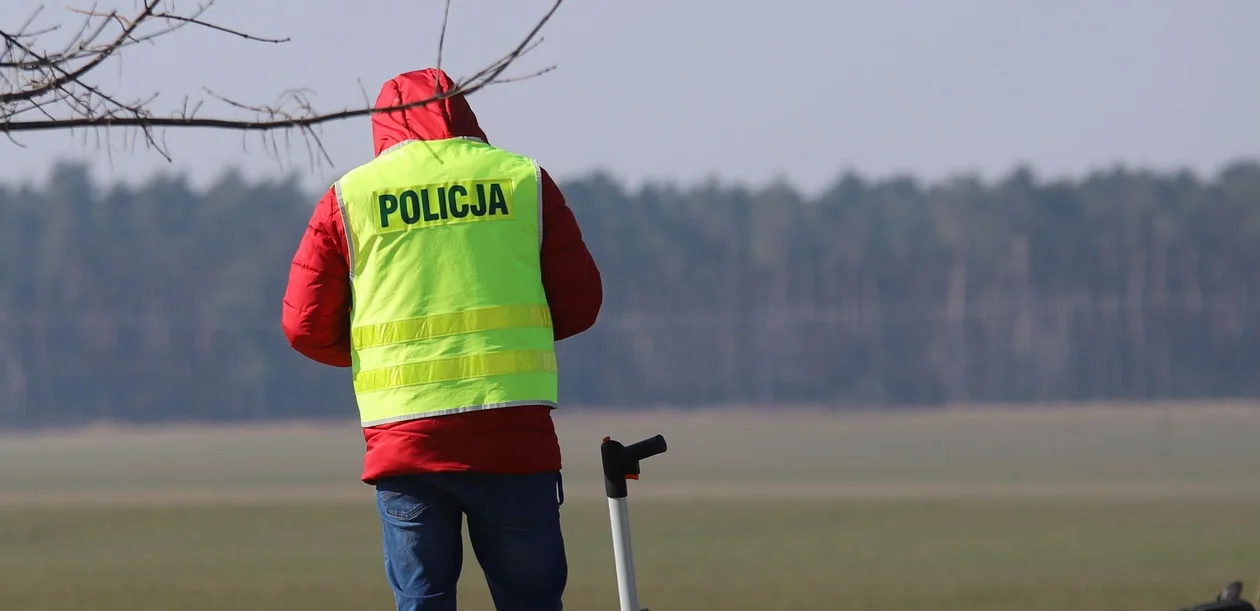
(744, 91)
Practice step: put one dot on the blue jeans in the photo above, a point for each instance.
(513, 525)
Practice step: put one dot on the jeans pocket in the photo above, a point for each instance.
(400, 506)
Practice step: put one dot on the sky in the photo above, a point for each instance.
(691, 90)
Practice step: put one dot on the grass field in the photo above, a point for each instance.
(1111, 508)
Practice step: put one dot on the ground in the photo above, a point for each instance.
(1047, 508)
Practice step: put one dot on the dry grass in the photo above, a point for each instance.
(967, 509)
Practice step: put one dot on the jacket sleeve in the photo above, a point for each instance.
(316, 305)
(571, 279)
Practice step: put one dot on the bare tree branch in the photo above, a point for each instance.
(43, 89)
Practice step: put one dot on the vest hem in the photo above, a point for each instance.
(457, 410)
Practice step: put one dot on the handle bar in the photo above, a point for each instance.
(621, 462)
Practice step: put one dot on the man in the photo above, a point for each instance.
(463, 265)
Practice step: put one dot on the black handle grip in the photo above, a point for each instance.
(621, 462)
(647, 448)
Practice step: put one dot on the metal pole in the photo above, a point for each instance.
(627, 589)
(621, 463)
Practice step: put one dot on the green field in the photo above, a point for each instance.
(1111, 508)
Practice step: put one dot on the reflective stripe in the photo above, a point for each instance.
(459, 368)
(439, 325)
(345, 225)
(538, 179)
(459, 410)
(397, 146)
(402, 143)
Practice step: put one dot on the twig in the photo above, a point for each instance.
(53, 85)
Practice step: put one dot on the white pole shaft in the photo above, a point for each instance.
(618, 511)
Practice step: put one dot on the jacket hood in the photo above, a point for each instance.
(448, 118)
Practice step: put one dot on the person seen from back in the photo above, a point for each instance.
(441, 273)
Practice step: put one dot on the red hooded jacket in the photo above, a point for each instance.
(316, 307)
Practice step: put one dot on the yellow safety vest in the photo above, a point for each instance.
(448, 313)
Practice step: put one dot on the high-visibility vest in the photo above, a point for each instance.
(448, 313)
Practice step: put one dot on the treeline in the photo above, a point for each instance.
(160, 303)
